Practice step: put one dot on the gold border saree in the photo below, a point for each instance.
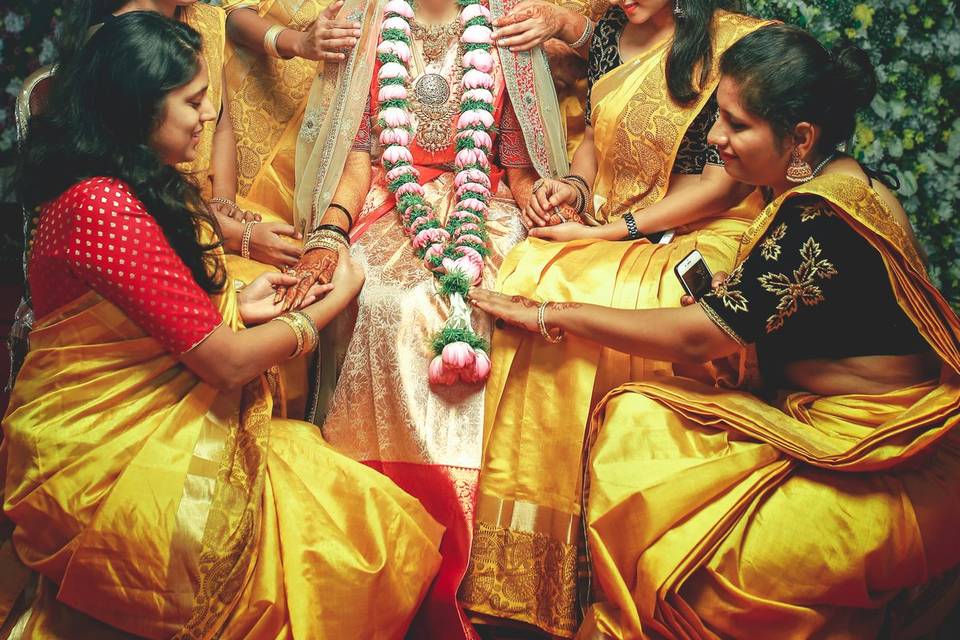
(713, 513)
(539, 395)
(156, 504)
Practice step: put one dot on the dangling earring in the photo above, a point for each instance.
(799, 170)
(678, 11)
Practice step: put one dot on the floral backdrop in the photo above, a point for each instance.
(912, 128)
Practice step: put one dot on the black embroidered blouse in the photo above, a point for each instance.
(812, 288)
(694, 152)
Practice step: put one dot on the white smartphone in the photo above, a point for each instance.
(694, 274)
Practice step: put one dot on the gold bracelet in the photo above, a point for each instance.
(311, 333)
(325, 240)
(221, 200)
(270, 40)
(323, 243)
(543, 327)
(245, 239)
(288, 320)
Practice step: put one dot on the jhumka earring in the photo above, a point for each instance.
(678, 11)
(799, 170)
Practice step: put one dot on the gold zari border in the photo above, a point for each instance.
(530, 577)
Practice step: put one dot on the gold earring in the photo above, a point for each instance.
(799, 170)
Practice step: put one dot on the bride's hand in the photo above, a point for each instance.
(530, 23)
(256, 301)
(552, 197)
(315, 266)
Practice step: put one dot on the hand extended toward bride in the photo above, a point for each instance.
(514, 310)
(257, 301)
(531, 23)
(550, 204)
(328, 38)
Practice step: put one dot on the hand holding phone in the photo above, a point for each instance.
(694, 275)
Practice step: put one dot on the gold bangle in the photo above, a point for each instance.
(325, 240)
(245, 239)
(288, 320)
(311, 333)
(323, 243)
(543, 327)
(270, 40)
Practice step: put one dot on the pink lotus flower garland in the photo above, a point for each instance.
(453, 252)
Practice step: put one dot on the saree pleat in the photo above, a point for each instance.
(539, 396)
(153, 503)
(712, 513)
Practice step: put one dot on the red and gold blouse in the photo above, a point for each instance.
(97, 236)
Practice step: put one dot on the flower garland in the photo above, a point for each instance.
(453, 252)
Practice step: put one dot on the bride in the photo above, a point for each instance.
(425, 184)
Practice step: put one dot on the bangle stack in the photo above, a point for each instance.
(585, 36)
(270, 40)
(308, 336)
(583, 191)
(327, 236)
(245, 239)
(543, 326)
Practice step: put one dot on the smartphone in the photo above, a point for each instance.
(694, 275)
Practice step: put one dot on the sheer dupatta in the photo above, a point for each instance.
(335, 107)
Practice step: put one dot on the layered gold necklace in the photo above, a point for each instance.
(436, 97)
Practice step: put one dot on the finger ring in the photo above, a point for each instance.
(499, 323)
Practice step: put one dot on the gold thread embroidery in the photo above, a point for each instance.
(722, 324)
(812, 212)
(732, 298)
(802, 288)
(770, 247)
(523, 576)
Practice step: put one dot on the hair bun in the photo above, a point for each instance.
(854, 78)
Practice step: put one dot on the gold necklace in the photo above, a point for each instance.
(435, 37)
(436, 99)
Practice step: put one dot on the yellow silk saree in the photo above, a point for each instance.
(539, 395)
(153, 505)
(711, 513)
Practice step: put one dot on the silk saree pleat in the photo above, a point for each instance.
(153, 505)
(539, 396)
(712, 513)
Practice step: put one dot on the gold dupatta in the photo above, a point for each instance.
(336, 100)
(723, 470)
(126, 474)
(638, 127)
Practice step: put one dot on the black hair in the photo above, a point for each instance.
(104, 107)
(692, 48)
(786, 76)
(78, 17)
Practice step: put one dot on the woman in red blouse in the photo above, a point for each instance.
(147, 479)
